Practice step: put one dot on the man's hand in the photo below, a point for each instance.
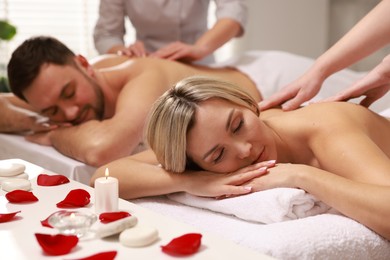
(14, 119)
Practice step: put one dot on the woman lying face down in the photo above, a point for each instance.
(339, 152)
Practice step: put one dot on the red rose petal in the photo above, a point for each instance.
(109, 255)
(5, 217)
(56, 244)
(108, 217)
(20, 196)
(184, 245)
(45, 222)
(51, 180)
(75, 198)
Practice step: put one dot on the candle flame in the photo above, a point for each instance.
(107, 173)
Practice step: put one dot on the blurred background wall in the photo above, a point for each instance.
(305, 27)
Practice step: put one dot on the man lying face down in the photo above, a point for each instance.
(97, 112)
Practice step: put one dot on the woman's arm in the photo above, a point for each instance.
(366, 203)
(140, 175)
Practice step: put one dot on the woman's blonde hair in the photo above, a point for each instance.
(173, 115)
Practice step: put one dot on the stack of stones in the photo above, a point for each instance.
(13, 176)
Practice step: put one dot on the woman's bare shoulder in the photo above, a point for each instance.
(335, 109)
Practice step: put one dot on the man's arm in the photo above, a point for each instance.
(99, 142)
(17, 116)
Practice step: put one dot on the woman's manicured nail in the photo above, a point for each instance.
(271, 162)
(248, 188)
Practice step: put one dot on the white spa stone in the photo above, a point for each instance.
(15, 184)
(11, 169)
(19, 176)
(138, 236)
(116, 227)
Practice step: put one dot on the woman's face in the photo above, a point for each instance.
(227, 137)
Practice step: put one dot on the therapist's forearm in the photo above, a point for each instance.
(223, 30)
(367, 36)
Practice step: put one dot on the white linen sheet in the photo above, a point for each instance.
(15, 146)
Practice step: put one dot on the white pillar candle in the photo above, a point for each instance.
(106, 194)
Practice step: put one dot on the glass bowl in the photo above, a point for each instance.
(72, 222)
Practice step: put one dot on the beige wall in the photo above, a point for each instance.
(344, 15)
(298, 26)
(305, 27)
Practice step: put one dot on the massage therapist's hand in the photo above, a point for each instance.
(373, 86)
(136, 49)
(295, 93)
(211, 184)
(180, 51)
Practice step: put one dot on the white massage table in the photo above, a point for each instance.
(324, 236)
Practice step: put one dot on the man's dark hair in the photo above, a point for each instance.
(27, 59)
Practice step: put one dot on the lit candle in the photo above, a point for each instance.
(106, 194)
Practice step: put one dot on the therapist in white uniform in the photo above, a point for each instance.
(170, 29)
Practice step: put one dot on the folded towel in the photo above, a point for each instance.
(269, 206)
(325, 236)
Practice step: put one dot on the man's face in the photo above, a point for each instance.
(65, 93)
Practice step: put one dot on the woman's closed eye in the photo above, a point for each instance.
(238, 126)
(219, 155)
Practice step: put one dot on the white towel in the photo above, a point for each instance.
(324, 236)
(269, 206)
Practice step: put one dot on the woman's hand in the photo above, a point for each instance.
(283, 175)
(210, 184)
